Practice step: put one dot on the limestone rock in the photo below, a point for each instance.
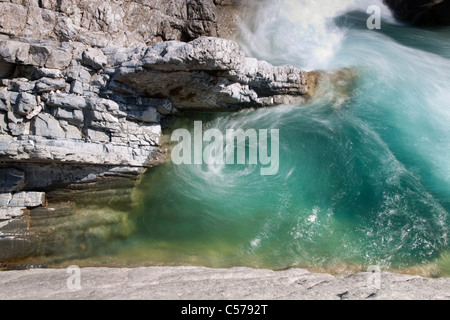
(50, 84)
(4, 99)
(71, 131)
(15, 52)
(64, 180)
(197, 283)
(73, 116)
(67, 101)
(98, 136)
(19, 128)
(214, 72)
(102, 23)
(22, 85)
(27, 199)
(3, 125)
(144, 114)
(76, 87)
(10, 213)
(59, 58)
(5, 198)
(47, 126)
(88, 83)
(25, 104)
(94, 58)
(48, 73)
(62, 150)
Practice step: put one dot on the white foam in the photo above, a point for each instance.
(303, 31)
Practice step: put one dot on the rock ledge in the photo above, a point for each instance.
(197, 283)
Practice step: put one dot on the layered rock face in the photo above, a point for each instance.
(207, 74)
(421, 12)
(72, 104)
(105, 23)
(84, 86)
(53, 113)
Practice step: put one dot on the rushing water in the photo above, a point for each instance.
(364, 173)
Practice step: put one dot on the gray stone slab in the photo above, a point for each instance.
(27, 199)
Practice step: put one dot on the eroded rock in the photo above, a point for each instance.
(207, 73)
(104, 23)
(27, 199)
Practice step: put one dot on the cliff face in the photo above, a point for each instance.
(69, 103)
(105, 23)
(425, 13)
(84, 86)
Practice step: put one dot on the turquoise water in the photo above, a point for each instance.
(364, 173)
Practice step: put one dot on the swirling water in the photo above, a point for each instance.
(364, 172)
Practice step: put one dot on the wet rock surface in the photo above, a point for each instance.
(192, 283)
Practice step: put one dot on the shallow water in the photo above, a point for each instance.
(364, 175)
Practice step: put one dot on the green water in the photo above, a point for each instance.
(364, 173)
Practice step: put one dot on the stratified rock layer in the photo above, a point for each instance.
(67, 103)
(207, 74)
(107, 22)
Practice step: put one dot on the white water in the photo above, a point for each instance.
(300, 32)
(364, 169)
